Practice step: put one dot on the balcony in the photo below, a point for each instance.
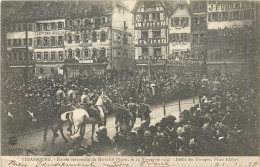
(150, 24)
(143, 60)
(152, 42)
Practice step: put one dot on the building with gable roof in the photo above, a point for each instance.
(73, 37)
(151, 20)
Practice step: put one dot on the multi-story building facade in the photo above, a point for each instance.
(230, 35)
(198, 12)
(179, 36)
(213, 35)
(151, 20)
(42, 24)
(77, 38)
(98, 38)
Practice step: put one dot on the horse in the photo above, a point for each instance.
(79, 118)
(58, 122)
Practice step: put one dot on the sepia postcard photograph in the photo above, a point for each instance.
(122, 83)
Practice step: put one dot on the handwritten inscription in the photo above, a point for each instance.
(64, 164)
(116, 164)
(16, 163)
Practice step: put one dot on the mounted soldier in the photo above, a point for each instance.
(102, 100)
(87, 104)
(71, 95)
(60, 95)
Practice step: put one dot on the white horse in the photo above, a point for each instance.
(79, 118)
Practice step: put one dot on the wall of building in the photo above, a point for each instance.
(179, 34)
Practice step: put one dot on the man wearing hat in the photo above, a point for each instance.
(71, 95)
(60, 95)
(87, 104)
(133, 109)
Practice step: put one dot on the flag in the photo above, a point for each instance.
(104, 98)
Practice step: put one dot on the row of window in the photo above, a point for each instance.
(49, 26)
(231, 16)
(152, 17)
(19, 42)
(155, 34)
(19, 27)
(180, 37)
(118, 38)
(86, 54)
(198, 5)
(41, 13)
(50, 41)
(183, 37)
(156, 52)
(21, 56)
(94, 36)
(199, 20)
(49, 56)
(180, 21)
(86, 21)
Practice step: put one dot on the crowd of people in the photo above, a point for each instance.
(225, 118)
(225, 123)
(121, 85)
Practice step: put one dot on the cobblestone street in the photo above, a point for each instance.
(34, 141)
